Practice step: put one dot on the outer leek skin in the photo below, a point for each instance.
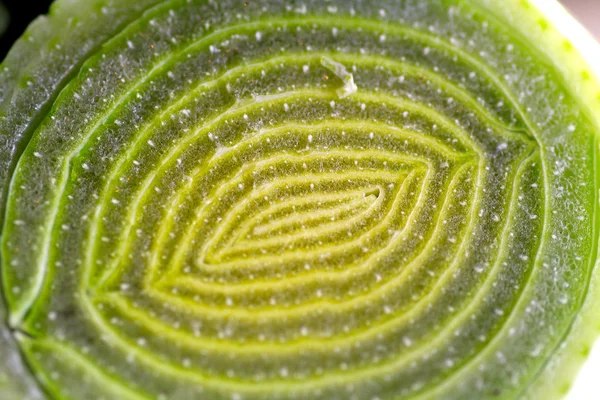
(298, 200)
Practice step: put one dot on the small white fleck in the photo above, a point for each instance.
(340, 71)
(537, 350)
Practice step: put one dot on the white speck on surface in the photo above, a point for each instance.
(341, 72)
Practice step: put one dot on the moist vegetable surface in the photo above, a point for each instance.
(297, 200)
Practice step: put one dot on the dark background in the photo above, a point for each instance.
(22, 12)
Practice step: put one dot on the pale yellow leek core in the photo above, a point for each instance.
(299, 200)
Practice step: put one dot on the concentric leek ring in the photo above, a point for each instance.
(296, 200)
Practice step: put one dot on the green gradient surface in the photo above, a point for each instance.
(295, 200)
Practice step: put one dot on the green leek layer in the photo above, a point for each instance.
(265, 200)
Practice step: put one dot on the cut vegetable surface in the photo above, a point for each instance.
(268, 200)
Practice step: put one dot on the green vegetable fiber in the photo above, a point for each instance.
(306, 199)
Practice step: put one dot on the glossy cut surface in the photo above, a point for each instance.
(296, 200)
